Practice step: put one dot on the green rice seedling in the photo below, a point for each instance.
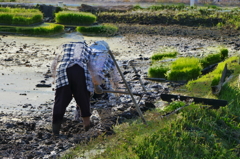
(101, 30)
(19, 16)
(224, 53)
(6, 18)
(159, 56)
(48, 29)
(75, 18)
(213, 7)
(18, 10)
(178, 7)
(215, 80)
(211, 59)
(158, 71)
(184, 69)
(200, 86)
(170, 14)
(137, 7)
(156, 7)
(11, 19)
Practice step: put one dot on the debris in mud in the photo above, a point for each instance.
(43, 85)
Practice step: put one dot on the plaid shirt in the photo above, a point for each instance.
(108, 70)
(108, 64)
(67, 60)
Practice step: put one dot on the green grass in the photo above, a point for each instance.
(200, 87)
(98, 30)
(192, 132)
(75, 18)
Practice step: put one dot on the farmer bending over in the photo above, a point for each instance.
(102, 69)
(73, 79)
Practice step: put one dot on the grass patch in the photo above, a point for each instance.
(99, 30)
(46, 29)
(75, 18)
(173, 106)
(193, 132)
(200, 87)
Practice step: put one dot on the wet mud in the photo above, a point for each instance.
(25, 109)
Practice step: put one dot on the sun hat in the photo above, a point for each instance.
(102, 43)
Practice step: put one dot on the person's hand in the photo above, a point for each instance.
(98, 89)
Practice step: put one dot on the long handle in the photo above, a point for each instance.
(136, 72)
(121, 92)
(129, 90)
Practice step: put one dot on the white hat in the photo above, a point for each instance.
(103, 43)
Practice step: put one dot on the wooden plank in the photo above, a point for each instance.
(215, 103)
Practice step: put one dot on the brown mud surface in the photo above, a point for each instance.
(25, 109)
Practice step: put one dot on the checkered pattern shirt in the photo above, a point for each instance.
(108, 64)
(68, 59)
(108, 71)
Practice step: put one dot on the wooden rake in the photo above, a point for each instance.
(128, 88)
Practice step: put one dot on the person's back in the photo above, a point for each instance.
(72, 80)
(102, 67)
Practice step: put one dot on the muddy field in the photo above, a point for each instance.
(25, 108)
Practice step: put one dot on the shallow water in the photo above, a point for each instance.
(18, 88)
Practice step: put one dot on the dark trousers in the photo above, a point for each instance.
(77, 88)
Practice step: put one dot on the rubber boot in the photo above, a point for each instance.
(56, 128)
(86, 123)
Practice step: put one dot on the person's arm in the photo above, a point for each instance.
(54, 65)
